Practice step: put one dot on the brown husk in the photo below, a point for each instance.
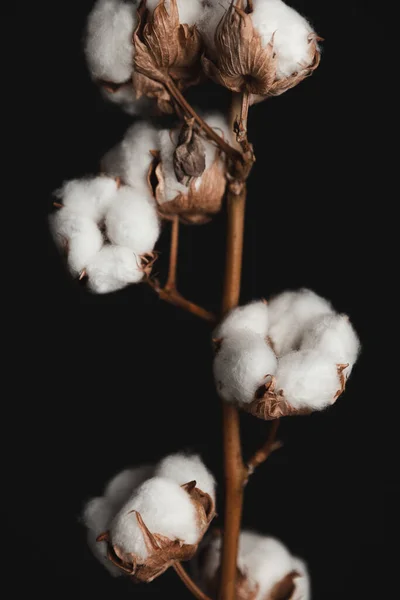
(189, 155)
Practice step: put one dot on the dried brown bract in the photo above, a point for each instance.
(162, 551)
(189, 155)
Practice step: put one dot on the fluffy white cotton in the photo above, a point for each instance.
(220, 124)
(183, 468)
(252, 317)
(263, 560)
(125, 97)
(308, 379)
(303, 586)
(291, 31)
(79, 235)
(207, 24)
(121, 487)
(242, 365)
(132, 220)
(89, 196)
(165, 508)
(334, 336)
(97, 516)
(290, 313)
(113, 268)
(108, 45)
(189, 10)
(131, 158)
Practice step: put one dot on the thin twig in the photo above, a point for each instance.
(173, 256)
(188, 581)
(175, 298)
(266, 449)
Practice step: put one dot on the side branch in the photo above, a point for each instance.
(175, 298)
(266, 449)
(188, 581)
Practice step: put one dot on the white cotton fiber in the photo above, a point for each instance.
(290, 314)
(108, 45)
(131, 158)
(183, 468)
(334, 336)
(242, 365)
(97, 516)
(89, 196)
(113, 268)
(290, 30)
(207, 24)
(263, 560)
(125, 97)
(165, 508)
(122, 485)
(308, 379)
(132, 220)
(189, 10)
(303, 586)
(252, 316)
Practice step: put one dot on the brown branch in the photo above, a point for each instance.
(266, 449)
(175, 298)
(173, 256)
(188, 581)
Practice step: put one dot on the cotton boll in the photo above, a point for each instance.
(308, 379)
(253, 317)
(121, 487)
(172, 186)
(334, 336)
(113, 268)
(165, 508)
(132, 220)
(290, 314)
(241, 366)
(189, 10)
(89, 197)
(97, 516)
(131, 158)
(183, 468)
(290, 31)
(303, 586)
(108, 45)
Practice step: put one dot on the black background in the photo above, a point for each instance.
(122, 379)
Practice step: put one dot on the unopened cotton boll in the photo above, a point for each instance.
(108, 45)
(131, 158)
(242, 365)
(122, 485)
(165, 508)
(308, 379)
(113, 268)
(334, 336)
(89, 197)
(132, 220)
(97, 516)
(189, 10)
(252, 317)
(290, 313)
(183, 468)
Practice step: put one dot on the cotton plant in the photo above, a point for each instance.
(290, 355)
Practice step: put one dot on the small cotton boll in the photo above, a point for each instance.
(290, 314)
(121, 487)
(132, 220)
(167, 147)
(183, 468)
(241, 366)
(131, 158)
(290, 31)
(165, 508)
(253, 317)
(303, 586)
(112, 269)
(97, 516)
(89, 197)
(334, 336)
(308, 379)
(189, 10)
(108, 46)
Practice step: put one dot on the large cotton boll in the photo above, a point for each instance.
(290, 30)
(183, 468)
(108, 44)
(308, 379)
(189, 10)
(290, 314)
(131, 158)
(252, 316)
(132, 220)
(122, 485)
(97, 516)
(165, 508)
(242, 365)
(334, 336)
(113, 268)
(89, 196)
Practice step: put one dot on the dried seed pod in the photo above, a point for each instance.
(189, 155)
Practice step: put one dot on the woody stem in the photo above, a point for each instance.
(266, 449)
(188, 581)
(235, 472)
(173, 256)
